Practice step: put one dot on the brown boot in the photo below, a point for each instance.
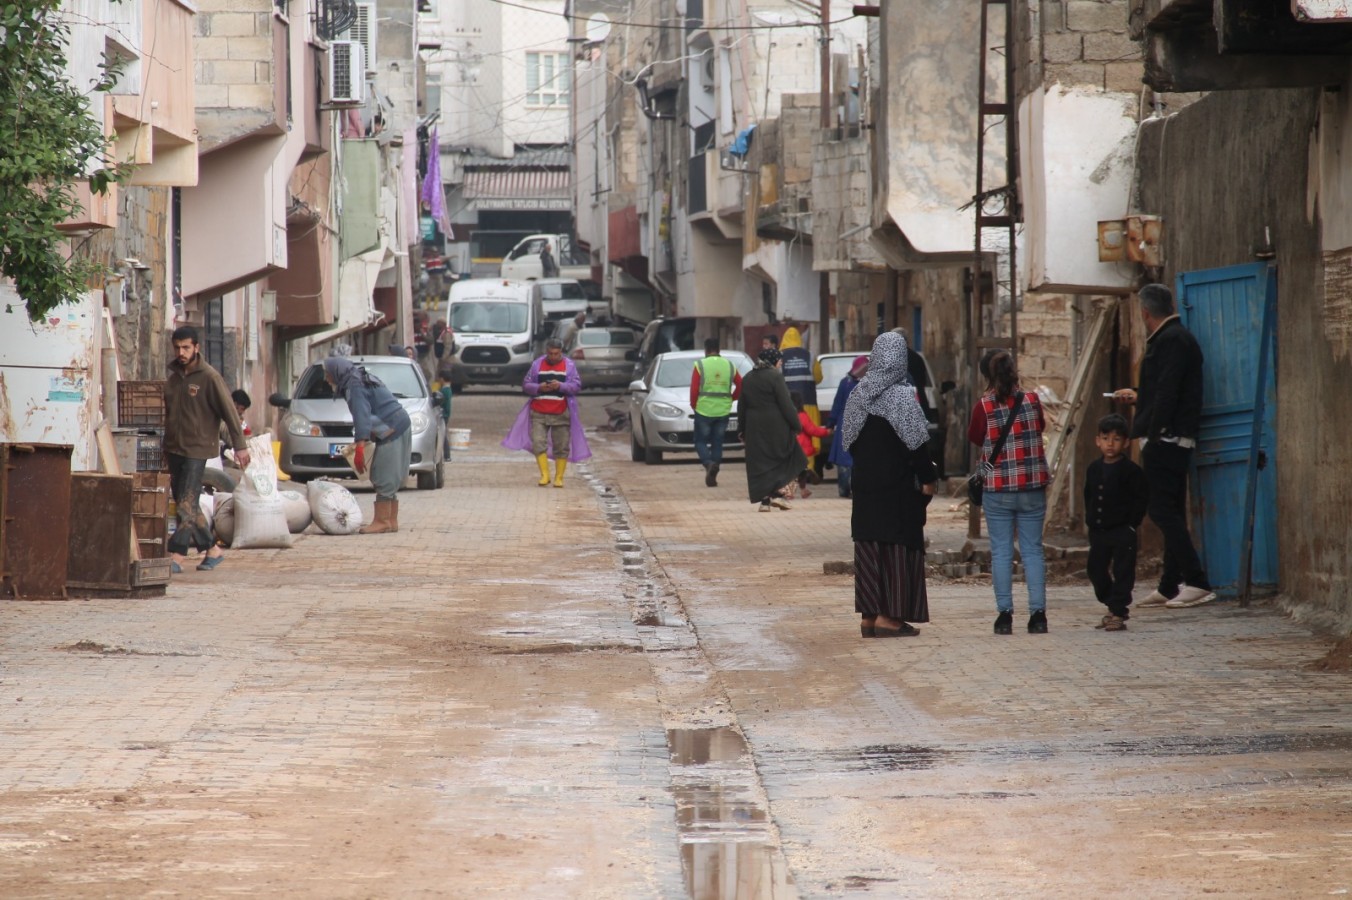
(383, 522)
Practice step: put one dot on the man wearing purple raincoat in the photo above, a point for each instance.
(548, 425)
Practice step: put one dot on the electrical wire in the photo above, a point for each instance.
(683, 27)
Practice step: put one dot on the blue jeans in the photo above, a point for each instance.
(709, 431)
(844, 477)
(1008, 514)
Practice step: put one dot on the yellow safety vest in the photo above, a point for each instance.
(715, 387)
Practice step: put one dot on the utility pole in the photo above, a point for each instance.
(824, 280)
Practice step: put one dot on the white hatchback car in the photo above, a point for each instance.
(660, 417)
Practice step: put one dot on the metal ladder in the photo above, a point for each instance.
(996, 208)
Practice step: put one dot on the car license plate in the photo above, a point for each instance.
(336, 450)
(489, 370)
(732, 423)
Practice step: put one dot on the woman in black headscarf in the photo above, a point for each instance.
(769, 426)
(885, 431)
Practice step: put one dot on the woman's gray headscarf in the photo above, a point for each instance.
(884, 392)
(344, 373)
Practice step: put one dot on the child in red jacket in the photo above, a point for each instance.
(810, 430)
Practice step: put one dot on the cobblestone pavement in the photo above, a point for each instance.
(640, 687)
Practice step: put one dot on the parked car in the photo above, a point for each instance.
(663, 336)
(833, 367)
(604, 356)
(660, 418)
(317, 424)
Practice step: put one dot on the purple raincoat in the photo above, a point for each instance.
(519, 436)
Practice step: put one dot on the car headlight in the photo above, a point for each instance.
(302, 427)
(420, 422)
(524, 347)
(665, 411)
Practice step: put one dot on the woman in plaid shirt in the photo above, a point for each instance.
(1015, 496)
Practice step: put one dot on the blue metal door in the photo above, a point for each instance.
(1236, 446)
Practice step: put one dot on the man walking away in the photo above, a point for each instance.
(714, 386)
(196, 404)
(1168, 410)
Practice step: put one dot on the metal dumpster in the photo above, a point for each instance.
(34, 520)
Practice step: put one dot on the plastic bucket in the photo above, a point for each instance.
(459, 438)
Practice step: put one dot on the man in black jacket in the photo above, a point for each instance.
(1168, 410)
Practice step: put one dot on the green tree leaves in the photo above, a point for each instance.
(48, 141)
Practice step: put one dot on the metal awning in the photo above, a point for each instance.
(519, 189)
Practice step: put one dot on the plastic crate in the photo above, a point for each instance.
(140, 404)
(149, 452)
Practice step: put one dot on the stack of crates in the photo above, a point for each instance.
(140, 417)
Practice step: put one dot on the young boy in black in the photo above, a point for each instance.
(1115, 495)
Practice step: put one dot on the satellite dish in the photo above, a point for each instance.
(596, 28)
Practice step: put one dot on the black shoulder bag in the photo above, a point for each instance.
(976, 482)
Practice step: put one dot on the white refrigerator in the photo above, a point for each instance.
(49, 375)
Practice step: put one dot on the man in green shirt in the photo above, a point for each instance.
(714, 387)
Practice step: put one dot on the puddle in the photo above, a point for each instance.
(728, 849)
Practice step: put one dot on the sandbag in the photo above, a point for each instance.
(223, 519)
(260, 516)
(334, 508)
(297, 508)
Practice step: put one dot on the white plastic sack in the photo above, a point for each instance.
(260, 515)
(206, 503)
(262, 469)
(334, 508)
(297, 508)
(223, 520)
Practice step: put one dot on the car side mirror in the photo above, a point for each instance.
(946, 386)
(638, 387)
(280, 400)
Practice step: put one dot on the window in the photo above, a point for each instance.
(549, 78)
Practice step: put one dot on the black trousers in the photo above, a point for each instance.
(1166, 469)
(1112, 567)
(185, 479)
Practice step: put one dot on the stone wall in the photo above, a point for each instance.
(840, 204)
(234, 49)
(1086, 42)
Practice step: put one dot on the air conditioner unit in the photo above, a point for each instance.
(347, 73)
(707, 82)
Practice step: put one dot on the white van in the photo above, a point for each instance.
(499, 330)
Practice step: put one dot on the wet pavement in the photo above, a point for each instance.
(640, 687)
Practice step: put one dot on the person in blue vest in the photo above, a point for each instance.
(714, 386)
(840, 455)
(798, 376)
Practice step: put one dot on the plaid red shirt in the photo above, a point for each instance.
(1022, 466)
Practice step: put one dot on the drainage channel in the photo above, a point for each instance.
(729, 845)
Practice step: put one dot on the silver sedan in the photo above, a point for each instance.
(660, 417)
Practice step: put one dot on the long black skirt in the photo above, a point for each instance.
(889, 580)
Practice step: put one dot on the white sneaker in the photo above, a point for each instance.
(1191, 596)
(1154, 598)
(780, 503)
